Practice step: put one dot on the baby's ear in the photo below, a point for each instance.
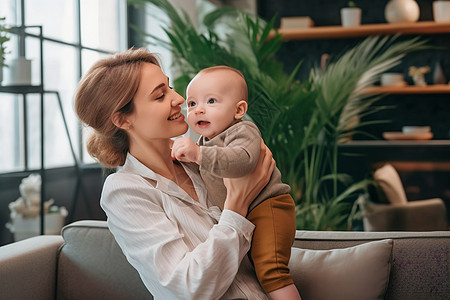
(120, 121)
(241, 109)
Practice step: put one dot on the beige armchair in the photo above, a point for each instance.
(397, 213)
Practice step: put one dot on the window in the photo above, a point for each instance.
(75, 33)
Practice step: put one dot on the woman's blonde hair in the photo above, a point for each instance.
(109, 87)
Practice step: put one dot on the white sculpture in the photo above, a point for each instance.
(29, 203)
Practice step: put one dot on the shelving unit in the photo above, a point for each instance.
(427, 155)
(333, 32)
(25, 90)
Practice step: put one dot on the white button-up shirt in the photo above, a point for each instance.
(181, 248)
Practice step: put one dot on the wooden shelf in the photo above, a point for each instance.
(399, 143)
(411, 89)
(329, 32)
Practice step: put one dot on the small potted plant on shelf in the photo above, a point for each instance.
(4, 38)
(351, 15)
(441, 10)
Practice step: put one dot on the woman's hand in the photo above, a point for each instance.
(243, 190)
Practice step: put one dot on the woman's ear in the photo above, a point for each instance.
(241, 109)
(120, 121)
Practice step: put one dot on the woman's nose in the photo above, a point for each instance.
(177, 99)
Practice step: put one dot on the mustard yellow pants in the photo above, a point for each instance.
(272, 241)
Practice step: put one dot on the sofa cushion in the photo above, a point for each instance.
(358, 272)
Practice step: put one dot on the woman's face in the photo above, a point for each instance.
(157, 108)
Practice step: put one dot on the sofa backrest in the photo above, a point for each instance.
(92, 266)
(420, 263)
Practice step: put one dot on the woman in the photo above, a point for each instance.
(158, 209)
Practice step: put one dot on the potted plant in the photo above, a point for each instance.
(4, 38)
(441, 11)
(351, 15)
(301, 122)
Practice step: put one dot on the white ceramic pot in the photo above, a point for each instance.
(24, 228)
(441, 11)
(19, 71)
(401, 11)
(350, 16)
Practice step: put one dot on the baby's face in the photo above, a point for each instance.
(212, 100)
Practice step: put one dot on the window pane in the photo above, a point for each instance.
(60, 75)
(7, 11)
(100, 24)
(10, 133)
(58, 18)
(89, 58)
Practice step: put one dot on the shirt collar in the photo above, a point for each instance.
(133, 165)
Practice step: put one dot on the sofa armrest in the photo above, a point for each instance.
(28, 268)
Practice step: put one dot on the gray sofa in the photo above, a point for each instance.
(86, 263)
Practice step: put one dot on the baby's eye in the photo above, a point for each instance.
(211, 101)
(191, 104)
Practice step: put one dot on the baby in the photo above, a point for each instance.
(229, 147)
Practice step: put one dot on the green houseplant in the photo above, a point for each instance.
(4, 38)
(301, 122)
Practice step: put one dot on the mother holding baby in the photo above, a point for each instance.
(157, 208)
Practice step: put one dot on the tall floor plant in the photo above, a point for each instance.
(301, 122)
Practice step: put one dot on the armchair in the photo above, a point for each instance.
(395, 212)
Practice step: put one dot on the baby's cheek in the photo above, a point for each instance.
(190, 119)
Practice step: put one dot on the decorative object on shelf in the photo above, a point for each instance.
(351, 15)
(4, 38)
(441, 11)
(438, 73)
(399, 135)
(25, 211)
(418, 74)
(416, 129)
(296, 22)
(401, 11)
(19, 71)
(392, 79)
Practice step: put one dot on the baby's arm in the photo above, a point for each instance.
(184, 149)
(237, 157)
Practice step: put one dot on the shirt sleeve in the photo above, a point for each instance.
(237, 157)
(168, 259)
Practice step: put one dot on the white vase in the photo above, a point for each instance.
(350, 16)
(402, 11)
(441, 11)
(19, 71)
(24, 228)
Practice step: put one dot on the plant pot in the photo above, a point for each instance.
(350, 16)
(19, 71)
(441, 11)
(402, 11)
(24, 228)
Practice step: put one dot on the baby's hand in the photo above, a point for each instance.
(184, 149)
